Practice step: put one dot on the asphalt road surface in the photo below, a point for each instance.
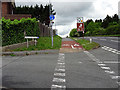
(85, 70)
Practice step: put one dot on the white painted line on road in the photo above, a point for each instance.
(105, 68)
(111, 49)
(59, 74)
(60, 66)
(103, 39)
(114, 41)
(80, 62)
(72, 47)
(111, 62)
(110, 72)
(58, 80)
(65, 45)
(101, 64)
(76, 45)
(61, 70)
(57, 86)
(61, 63)
(115, 77)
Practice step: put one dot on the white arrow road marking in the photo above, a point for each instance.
(76, 45)
(72, 47)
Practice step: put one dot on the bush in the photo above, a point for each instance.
(13, 31)
(113, 29)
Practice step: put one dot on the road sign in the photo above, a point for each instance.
(52, 17)
(79, 19)
(80, 27)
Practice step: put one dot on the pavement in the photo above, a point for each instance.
(96, 69)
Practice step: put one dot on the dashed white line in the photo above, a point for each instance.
(59, 80)
(61, 70)
(101, 64)
(105, 68)
(59, 74)
(114, 41)
(111, 62)
(110, 72)
(103, 39)
(111, 49)
(115, 77)
(57, 86)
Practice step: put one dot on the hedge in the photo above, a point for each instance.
(13, 31)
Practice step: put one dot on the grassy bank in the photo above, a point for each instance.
(86, 44)
(43, 43)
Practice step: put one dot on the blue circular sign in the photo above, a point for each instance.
(52, 17)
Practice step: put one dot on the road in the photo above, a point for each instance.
(78, 70)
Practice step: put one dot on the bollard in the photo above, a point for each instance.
(90, 40)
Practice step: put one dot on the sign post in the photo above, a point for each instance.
(52, 17)
(80, 25)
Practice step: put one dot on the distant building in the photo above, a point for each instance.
(119, 9)
(7, 11)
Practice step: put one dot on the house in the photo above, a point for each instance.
(7, 11)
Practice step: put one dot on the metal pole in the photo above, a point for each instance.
(27, 43)
(52, 35)
(51, 23)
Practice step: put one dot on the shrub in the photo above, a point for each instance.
(13, 31)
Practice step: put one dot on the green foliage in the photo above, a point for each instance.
(39, 12)
(13, 31)
(73, 33)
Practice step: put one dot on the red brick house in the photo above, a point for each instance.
(7, 11)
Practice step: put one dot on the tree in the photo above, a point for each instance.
(106, 21)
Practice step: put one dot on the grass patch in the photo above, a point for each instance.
(86, 44)
(12, 55)
(43, 43)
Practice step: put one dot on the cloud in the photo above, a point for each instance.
(68, 11)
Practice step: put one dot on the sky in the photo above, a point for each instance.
(67, 11)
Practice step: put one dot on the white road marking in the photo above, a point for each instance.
(105, 68)
(57, 86)
(80, 62)
(59, 74)
(101, 64)
(65, 45)
(111, 62)
(58, 80)
(72, 47)
(111, 49)
(76, 45)
(103, 39)
(61, 63)
(115, 77)
(114, 41)
(110, 72)
(61, 70)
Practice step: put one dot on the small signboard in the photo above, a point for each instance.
(79, 19)
(52, 17)
(80, 27)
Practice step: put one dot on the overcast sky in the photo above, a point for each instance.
(67, 11)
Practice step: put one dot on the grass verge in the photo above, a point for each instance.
(43, 43)
(86, 44)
